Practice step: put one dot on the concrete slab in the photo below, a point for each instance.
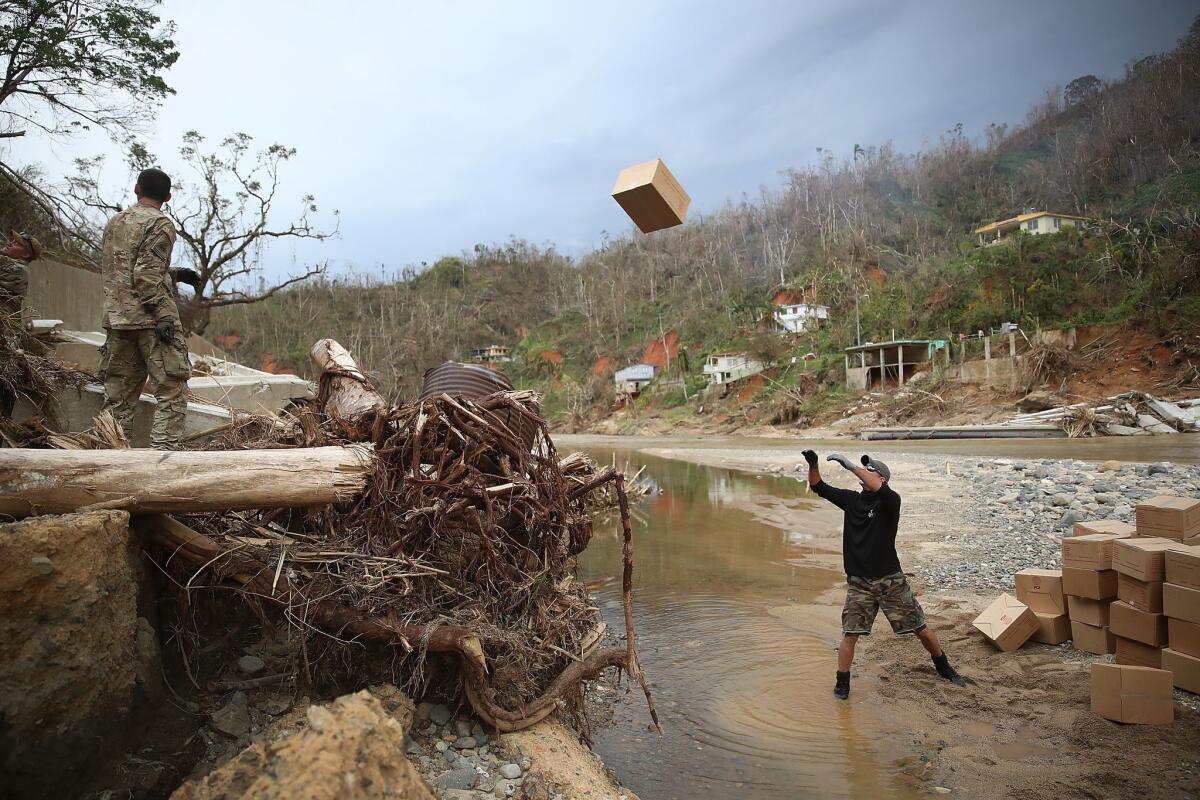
(77, 407)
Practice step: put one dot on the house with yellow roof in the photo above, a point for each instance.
(1032, 222)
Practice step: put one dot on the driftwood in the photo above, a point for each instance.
(346, 394)
(349, 624)
(59, 481)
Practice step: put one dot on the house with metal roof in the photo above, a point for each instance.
(878, 364)
(1032, 222)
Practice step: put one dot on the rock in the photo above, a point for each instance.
(504, 788)
(1069, 519)
(462, 727)
(1123, 510)
(441, 746)
(1163, 468)
(251, 665)
(423, 710)
(511, 771)
(412, 748)
(1038, 401)
(319, 719)
(41, 565)
(1011, 497)
(465, 743)
(1110, 466)
(233, 718)
(457, 778)
(1061, 499)
(439, 714)
(460, 794)
(1040, 471)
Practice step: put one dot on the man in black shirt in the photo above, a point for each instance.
(874, 579)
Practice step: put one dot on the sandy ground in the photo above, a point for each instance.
(1023, 726)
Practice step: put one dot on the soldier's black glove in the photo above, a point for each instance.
(811, 457)
(841, 459)
(186, 275)
(164, 329)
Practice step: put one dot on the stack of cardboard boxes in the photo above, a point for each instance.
(1090, 583)
(1174, 524)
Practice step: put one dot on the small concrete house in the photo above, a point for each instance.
(1031, 222)
(795, 312)
(724, 368)
(879, 364)
(492, 353)
(633, 379)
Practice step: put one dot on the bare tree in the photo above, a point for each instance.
(224, 209)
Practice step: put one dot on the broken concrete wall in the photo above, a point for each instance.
(72, 646)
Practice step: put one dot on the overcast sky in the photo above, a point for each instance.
(435, 125)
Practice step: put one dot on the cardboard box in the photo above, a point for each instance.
(1041, 590)
(1136, 654)
(1113, 526)
(1172, 517)
(1089, 611)
(1184, 636)
(1091, 639)
(1096, 584)
(1142, 595)
(1052, 628)
(1007, 623)
(1184, 669)
(1133, 694)
(1094, 551)
(1181, 602)
(1143, 559)
(651, 196)
(1181, 565)
(1141, 626)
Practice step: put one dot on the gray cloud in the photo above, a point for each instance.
(433, 126)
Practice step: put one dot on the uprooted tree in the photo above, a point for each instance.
(224, 209)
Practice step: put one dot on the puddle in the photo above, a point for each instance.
(738, 641)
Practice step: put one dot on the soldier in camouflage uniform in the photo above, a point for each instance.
(874, 580)
(141, 316)
(14, 271)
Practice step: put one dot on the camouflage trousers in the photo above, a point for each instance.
(891, 593)
(132, 356)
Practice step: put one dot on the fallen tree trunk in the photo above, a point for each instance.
(58, 481)
(347, 396)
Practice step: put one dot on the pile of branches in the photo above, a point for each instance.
(25, 374)
(464, 541)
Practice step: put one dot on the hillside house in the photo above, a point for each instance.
(795, 312)
(722, 368)
(1031, 222)
(492, 354)
(879, 364)
(633, 379)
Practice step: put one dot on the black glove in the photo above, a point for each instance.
(164, 329)
(866, 460)
(811, 457)
(186, 275)
(841, 459)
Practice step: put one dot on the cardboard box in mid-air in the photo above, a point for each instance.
(1140, 695)
(651, 196)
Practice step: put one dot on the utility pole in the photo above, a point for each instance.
(857, 321)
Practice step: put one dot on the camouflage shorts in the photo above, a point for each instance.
(865, 596)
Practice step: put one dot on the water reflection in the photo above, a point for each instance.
(727, 580)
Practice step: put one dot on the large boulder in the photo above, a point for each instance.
(351, 749)
(72, 647)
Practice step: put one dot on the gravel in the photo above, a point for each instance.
(1011, 514)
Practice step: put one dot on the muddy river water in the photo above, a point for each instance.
(737, 596)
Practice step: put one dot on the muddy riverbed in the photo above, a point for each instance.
(738, 592)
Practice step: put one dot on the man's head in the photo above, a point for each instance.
(873, 465)
(23, 247)
(154, 185)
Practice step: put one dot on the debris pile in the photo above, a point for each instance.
(1125, 414)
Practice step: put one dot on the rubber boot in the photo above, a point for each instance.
(841, 689)
(942, 665)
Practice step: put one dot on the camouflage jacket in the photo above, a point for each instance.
(135, 258)
(14, 283)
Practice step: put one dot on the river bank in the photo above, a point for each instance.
(1023, 724)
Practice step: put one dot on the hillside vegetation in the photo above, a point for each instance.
(891, 228)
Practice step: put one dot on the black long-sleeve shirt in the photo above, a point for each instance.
(868, 529)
